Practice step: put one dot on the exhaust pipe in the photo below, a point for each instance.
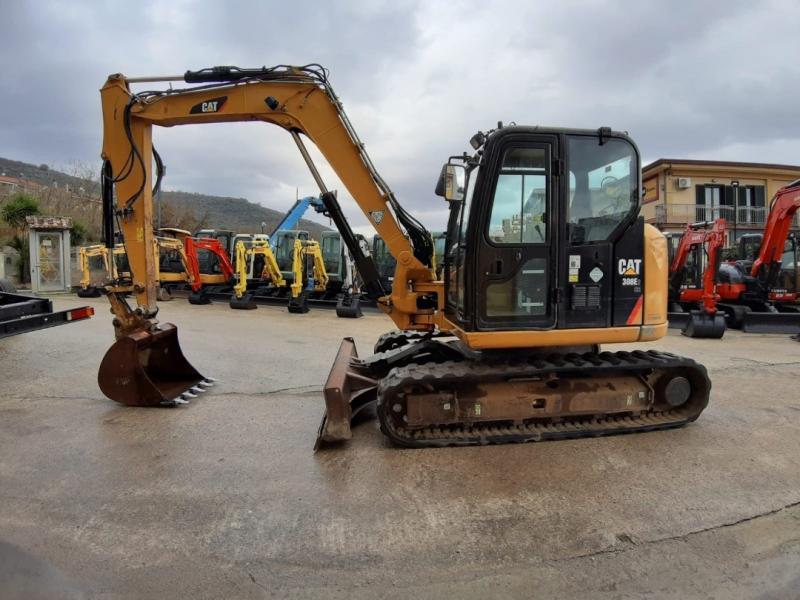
(147, 368)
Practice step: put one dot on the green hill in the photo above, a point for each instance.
(217, 212)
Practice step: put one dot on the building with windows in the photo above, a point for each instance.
(681, 191)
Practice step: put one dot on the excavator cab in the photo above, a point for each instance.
(548, 236)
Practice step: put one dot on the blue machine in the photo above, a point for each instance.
(293, 216)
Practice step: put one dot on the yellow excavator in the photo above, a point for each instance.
(308, 270)
(85, 254)
(309, 274)
(110, 266)
(164, 246)
(546, 258)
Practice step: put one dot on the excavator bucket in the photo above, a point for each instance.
(771, 322)
(346, 394)
(149, 369)
(702, 325)
(348, 306)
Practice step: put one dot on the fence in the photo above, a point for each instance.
(695, 213)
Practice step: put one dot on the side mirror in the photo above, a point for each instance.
(451, 183)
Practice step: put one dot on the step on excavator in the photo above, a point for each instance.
(547, 258)
(751, 293)
(693, 307)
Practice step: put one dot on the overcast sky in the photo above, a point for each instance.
(714, 79)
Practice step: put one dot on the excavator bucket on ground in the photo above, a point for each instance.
(348, 307)
(148, 369)
(702, 325)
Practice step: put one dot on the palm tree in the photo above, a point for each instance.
(14, 213)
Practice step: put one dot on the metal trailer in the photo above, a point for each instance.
(21, 314)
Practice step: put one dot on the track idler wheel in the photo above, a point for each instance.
(148, 369)
(703, 325)
(246, 302)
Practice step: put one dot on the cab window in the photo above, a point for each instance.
(603, 187)
(519, 206)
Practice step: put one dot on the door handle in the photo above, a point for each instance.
(497, 267)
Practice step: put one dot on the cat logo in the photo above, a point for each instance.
(211, 105)
(377, 216)
(630, 267)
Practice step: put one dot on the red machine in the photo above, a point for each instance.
(694, 309)
(200, 281)
(750, 289)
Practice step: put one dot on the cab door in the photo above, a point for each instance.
(516, 259)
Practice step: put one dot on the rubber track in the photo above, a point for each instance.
(441, 374)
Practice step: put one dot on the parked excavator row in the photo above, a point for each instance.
(546, 258)
(201, 264)
(757, 290)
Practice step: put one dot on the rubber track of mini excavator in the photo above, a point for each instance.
(440, 375)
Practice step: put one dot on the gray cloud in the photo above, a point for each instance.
(714, 79)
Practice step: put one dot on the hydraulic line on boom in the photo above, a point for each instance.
(539, 269)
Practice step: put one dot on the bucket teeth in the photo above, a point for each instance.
(198, 390)
(174, 402)
(205, 384)
(185, 395)
(211, 380)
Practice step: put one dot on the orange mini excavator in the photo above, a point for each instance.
(750, 289)
(694, 307)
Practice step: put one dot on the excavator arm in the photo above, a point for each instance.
(146, 366)
(767, 265)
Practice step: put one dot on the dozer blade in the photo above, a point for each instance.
(769, 322)
(147, 369)
(702, 325)
(346, 393)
